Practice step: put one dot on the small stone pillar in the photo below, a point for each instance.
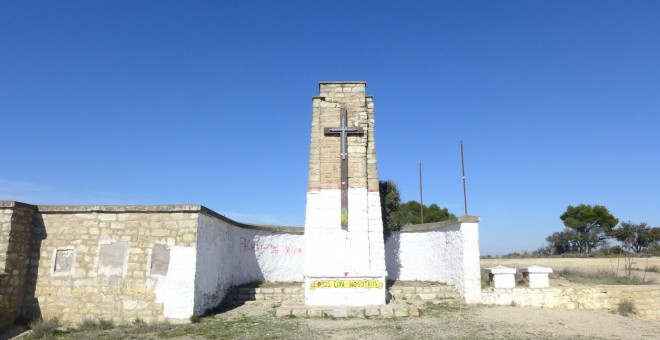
(501, 277)
(536, 276)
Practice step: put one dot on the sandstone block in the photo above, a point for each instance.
(336, 313)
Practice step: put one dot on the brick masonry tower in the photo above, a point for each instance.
(345, 258)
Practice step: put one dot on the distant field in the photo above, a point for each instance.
(614, 264)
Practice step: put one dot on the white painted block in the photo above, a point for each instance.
(502, 277)
(536, 276)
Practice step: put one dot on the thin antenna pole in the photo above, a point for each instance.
(464, 190)
(421, 201)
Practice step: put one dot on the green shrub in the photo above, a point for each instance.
(615, 250)
(654, 251)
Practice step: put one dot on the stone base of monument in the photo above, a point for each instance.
(390, 310)
(345, 291)
(405, 298)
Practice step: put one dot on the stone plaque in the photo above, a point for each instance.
(63, 261)
(112, 258)
(160, 260)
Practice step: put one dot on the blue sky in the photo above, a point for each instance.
(165, 102)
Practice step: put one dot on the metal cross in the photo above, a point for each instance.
(343, 132)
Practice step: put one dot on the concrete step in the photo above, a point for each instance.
(417, 293)
(279, 294)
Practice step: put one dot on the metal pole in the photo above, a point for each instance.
(421, 201)
(464, 190)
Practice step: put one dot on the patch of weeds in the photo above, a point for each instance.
(485, 280)
(327, 316)
(42, 329)
(626, 307)
(87, 325)
(195, 319)
(439, 309)
(154, 327)
(653, 269)
(106, 324)
(599, 277)
(90, 324)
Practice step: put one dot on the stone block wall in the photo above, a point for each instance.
(645, 298)
(15, 229)
(117, 263)
(123, 263)
(441, 252)
(158, 263)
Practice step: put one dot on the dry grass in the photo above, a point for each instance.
(644, 269)
(626, 307)
(44, 329)
(599, 277)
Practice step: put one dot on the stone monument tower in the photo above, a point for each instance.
(345, 257)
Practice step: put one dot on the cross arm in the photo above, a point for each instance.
(336, 131)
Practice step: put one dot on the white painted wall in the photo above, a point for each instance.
(214, 263)
(447, 253)
(176, 291)
(333, 253)
(228, 255)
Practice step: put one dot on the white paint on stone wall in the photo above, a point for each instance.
(176, 291)
(266, 256)
(449, 254)
(333, 253)
(214, 263)
(228, 255)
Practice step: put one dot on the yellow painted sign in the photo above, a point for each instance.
(346, 284)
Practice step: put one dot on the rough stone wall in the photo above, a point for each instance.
(98, 262)
(441, 252)
(324, 161)
(646, 298)
(123, 263)
(15, 228)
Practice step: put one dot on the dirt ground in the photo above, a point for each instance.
(473, 322)
(254, 321)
